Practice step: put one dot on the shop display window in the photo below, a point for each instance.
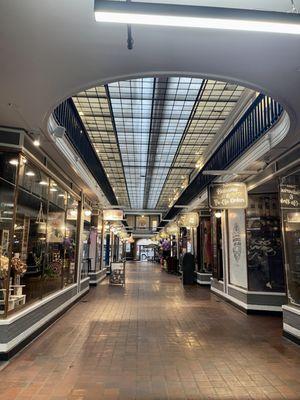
(8, 172)
(56, 237)
(264, 244)
(290, 205)
(86, 242)
(29, 244)
(98, 250)
(217, 248)
(205, 257)
(38, 233)
(71, 239)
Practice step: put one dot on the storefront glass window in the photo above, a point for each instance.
(8, 172)
(30, 231)
(43, 229)
(70, 240)
(205, 245)
(217, 248)
(264, 244)
(56, 231)
(290, 205)
(86, 257)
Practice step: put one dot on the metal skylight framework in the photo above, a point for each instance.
(131, 106)
(94, 110)
(174, 99)
(212, 108)
(149, 133)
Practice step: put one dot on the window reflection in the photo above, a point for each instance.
(265, 257)
(8, 173)
(290, 204)
(86, 238)
(43, 228)
(30, 231)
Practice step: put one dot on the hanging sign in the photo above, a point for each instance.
(112, 215)
(188, 220)
(289, 197)
(227, 195)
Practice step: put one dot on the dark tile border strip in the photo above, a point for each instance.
(5, 356)
(247, 311)
(291, 337)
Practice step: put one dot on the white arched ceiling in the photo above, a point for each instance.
(51, 50)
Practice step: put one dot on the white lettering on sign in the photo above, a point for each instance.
(228, 195)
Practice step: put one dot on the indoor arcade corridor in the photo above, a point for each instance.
(154, 339)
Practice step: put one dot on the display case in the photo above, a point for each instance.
(38, 232)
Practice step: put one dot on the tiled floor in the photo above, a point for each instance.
(155, 339)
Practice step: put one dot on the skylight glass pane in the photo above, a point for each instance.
(181, 94)
(132, 104)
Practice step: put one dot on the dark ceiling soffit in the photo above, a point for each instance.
(67, 115)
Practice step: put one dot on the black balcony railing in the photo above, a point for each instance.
(263, 113)
(66, 115)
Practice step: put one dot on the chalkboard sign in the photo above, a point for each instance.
(227, 195)
(289, 197)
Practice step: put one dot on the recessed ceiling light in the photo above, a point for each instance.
(30, 173)
(36, 139)
(14, 162)
(53, 189)
(44, 183)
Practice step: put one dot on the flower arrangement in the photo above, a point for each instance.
(166, 245)
(3, 266)
(18, 266)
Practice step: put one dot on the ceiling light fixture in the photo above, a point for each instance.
(14, 162)
(30, 173)
(218, 214)
(196, 17)
(36, 140)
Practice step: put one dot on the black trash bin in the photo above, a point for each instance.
(188, 269)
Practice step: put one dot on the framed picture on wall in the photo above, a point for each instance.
(142, 222)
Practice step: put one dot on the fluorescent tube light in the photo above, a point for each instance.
(196, 17)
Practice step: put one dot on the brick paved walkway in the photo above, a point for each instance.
(155, 340)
